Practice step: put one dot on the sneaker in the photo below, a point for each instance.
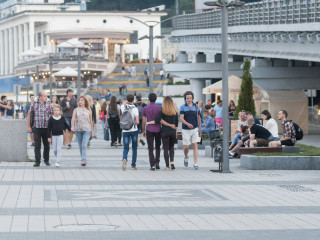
(83, 164)
(119, 144)
(186, 162)
(124, 164)
(47, 163)
(36, 165)
(195, 166)
(231, 155)
(152, 169)
(157, 166)
(166, 169)
(142, 142)
(172, 166)
(57, 164)
(69, 146)
(134, 168)
(32, 144)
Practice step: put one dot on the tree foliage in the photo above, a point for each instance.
(245, 101)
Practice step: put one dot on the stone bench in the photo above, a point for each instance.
(252, 162)
(248, 150)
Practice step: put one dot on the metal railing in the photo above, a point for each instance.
(257, 13)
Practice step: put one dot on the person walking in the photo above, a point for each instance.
(130, 110)
(152, 132)
(113, 117)
(94, 117)
(68, 104)
(57, 124)
(169, 119)
(191, 127)
(55, 100)
(103, 114)
(82, 125)
(26, 116)
(97, 111)
(41, 112)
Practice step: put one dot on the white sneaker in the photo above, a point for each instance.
(57, 164)
(195, 166)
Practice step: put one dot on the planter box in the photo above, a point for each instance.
(280, 162)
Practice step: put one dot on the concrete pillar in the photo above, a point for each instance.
(183, 57)
(196, 87)
(6, 51)
(25, 37)
(122, 55)
(31, 35)
(11, 56)
(20, 34)
(1, 53)
(15, 46)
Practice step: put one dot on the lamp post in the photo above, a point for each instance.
(151, 25)
(225, 88)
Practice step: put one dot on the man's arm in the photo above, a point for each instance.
(143, 125)
(252, 136)
(5, 106)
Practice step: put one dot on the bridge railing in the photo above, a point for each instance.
(257, 13)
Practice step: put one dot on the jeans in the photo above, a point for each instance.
(236, 139)
(206, 130)
(83, 139)
(127, 136)
(39, 133)
(57, 142)
(151, 138)
(168, 141)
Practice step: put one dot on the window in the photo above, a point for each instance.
(39, 39)
(45, 39)
(134, 37)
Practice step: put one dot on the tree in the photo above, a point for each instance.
(245, 101)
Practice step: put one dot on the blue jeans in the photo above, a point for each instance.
(206, 130)
(126, 142)
(68, 120)
(83, 139)
(236, 139)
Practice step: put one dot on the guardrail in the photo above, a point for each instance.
(257, 13)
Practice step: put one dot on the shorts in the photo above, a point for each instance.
(262, 142)
(219, 121)
(190, 136)
(287, 143)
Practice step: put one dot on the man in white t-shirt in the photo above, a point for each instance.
(130, 134)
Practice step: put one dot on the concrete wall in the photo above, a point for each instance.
(13, 138)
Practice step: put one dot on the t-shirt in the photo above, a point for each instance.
(190, 115)
(134, 113)
(218, 111)
(260, 132)
(151, 112)
(272, 126)
(3, 109)
(240, 124)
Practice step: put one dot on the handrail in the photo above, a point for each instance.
(257, 13)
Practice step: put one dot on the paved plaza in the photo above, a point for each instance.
(101, 201)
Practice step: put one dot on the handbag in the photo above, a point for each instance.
(106, 134)
(101, 116)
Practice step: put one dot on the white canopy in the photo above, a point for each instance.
(234, 86)
(66, 72)
(72, 43)
(131, 48)
(33, 52)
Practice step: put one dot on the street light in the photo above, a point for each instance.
(151, 25)
(225, 88)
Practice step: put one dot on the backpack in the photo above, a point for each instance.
(126, 121)
(140, 108)
(299, 132)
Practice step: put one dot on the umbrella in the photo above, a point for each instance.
(72, 43)
(66, 72)
(33, 52)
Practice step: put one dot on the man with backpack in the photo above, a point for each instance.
(140, 105)
(150, 113)
(289, 131)
(129, 124)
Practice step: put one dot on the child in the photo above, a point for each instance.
(56, 125)
(10, 112)
(244, 131)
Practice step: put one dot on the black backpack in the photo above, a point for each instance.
(299, 132)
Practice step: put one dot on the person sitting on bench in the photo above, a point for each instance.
(289, 132)
(208, 123)
(259, 136)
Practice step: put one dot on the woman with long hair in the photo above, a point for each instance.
(55, 100)
(82, 125)
(94, 116)
(113, 118)
(104, 110)
(169, 119)
(232, 108)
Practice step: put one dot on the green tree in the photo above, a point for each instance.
(245, 101)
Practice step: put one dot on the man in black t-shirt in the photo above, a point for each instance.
(259, 136)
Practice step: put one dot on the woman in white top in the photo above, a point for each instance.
(271, 125)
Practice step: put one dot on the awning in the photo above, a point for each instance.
(33, 52)
(66, 72)
(72, 43)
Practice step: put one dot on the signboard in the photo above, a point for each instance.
(312, 93)
(199, 5)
